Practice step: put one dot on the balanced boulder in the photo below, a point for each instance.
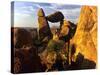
(55, 17)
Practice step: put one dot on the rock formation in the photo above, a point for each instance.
(67, 30)
(26, 58)
(85, 37)
(44, 29)
(58, 51)
(22, 37)
(55, 17)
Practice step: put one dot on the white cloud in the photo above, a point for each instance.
(24, 20)
(71, 14)
(26, 16)
(21, 15)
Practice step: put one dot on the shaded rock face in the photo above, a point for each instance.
(26, 58)
(34, 34)
(44, 29)
(55, 17)
(22, 37)
(67, 30)
(85, 37)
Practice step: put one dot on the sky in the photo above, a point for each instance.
(25, 13)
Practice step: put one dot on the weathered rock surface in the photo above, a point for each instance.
(86, 34)
(26, 58)
(67, 30)
(22, 37)
(44, 29)
(55, 17)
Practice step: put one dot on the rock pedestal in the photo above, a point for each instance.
(44, 29)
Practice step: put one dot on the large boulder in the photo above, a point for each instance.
(55, 17)
(85, 37)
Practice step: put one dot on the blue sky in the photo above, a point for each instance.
(25, 13)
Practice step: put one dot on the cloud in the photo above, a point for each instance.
(26, 13)
(44, 4)
(22, 15)
(24, 20)
(71, 14)
(24, 9)
(64, 6)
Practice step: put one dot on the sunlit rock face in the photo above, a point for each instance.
(44, 29)
(67, 30)
(86, 34)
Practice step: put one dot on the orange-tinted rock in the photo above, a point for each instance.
(67, 30)
(85, 37)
